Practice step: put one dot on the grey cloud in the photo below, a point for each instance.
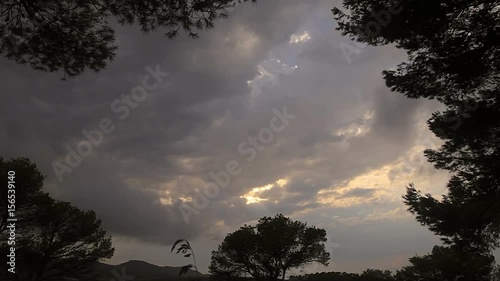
(359, 192)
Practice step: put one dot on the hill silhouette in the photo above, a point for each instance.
(141, 270)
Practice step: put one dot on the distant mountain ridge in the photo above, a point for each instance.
(140, 270)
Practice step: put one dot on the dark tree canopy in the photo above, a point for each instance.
(452, 45)
(448, 263)
(54, 240)
(454, 57)
(65, 243)
(376, 275)
(269, 249)
(28, 189)
(366, 275)
(73, 36)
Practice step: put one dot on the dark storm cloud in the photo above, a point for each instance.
(194, 122)
(44, 115)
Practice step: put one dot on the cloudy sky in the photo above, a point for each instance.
(340, 160)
